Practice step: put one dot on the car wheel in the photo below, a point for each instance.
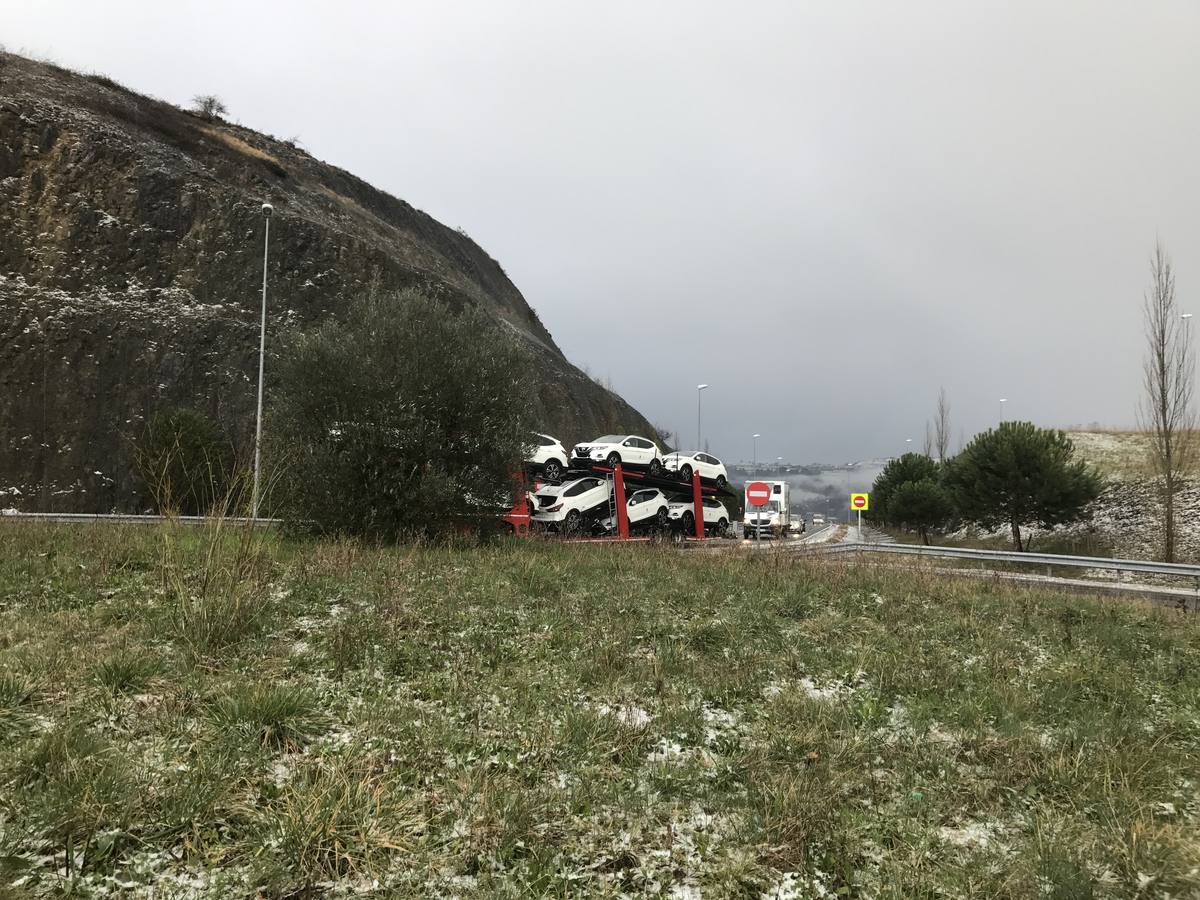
(552, 470)
(573, 521)
(656, 468)
(663, 518)
(689, 523)
(722, 528)
(685, 473)
(613, 460)
(722, 482)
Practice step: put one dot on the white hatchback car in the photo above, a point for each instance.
(568, 506)
(716, 516)
(547, 454)
(684, 463)
(626, 449)
(647, 507)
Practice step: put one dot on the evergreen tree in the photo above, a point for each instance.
(908, 494)
(1020, 475)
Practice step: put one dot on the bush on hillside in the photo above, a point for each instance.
(209, 107)
(402, 418)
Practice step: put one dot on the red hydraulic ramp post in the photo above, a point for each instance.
(622, 509)
(698, 506)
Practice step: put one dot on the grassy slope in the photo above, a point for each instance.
(573, 720)
(1117, 454)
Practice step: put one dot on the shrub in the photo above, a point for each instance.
(186, 462)
(405, 417)
(209, 106)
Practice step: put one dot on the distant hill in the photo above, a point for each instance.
(130, 264)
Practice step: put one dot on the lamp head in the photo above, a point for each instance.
(267, 209)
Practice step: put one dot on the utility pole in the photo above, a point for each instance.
(267, 209)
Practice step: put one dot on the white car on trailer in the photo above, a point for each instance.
(647, 507)
(716, 516)
(569, 506)
(547, 455)
(625, 449)
(684, 463)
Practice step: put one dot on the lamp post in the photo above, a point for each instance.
(267, 209)
(908, 445)
(699, 389)
(755, 467)
(1003, 400)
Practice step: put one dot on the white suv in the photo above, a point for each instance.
(647, 507)
(548, 454)
(684, 463)
(626, 449)
(569, 505)
(716, 516)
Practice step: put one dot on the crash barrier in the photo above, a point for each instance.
(138, 519)
(1173, 570)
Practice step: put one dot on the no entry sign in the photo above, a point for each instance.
(758, 493)
(859, 501)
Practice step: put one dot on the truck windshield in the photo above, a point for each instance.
(772, 506)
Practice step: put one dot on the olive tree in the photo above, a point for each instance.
(403, 417)
(1020, 475)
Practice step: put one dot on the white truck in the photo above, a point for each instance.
(773, 519)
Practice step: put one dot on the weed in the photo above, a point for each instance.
(274, 716)
(127, 670)
(336, 819)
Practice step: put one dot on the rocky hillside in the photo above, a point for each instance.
(130, 265)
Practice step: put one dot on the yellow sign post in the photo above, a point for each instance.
(860, 502)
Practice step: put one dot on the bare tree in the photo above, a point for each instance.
(210, 106)
(928, 440)
(1166, 409)
(941, 426)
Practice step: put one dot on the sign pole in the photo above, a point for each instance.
(860, 537)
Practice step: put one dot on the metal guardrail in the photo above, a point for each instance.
(133, 519)
(1175, 570)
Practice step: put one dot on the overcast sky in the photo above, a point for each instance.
(824, 210)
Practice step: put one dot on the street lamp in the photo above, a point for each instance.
(699, 388)
(267, 209)
(907, 445)
(1003, 400)
(756, 437)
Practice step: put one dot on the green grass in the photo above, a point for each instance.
(183, 714)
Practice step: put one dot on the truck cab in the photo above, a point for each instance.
(773, 519)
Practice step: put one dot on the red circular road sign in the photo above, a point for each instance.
(859, 501)
(758, 493)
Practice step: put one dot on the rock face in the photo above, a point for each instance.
(130, 267)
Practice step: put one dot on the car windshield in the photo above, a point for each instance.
(772, 506)
(609, 439)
